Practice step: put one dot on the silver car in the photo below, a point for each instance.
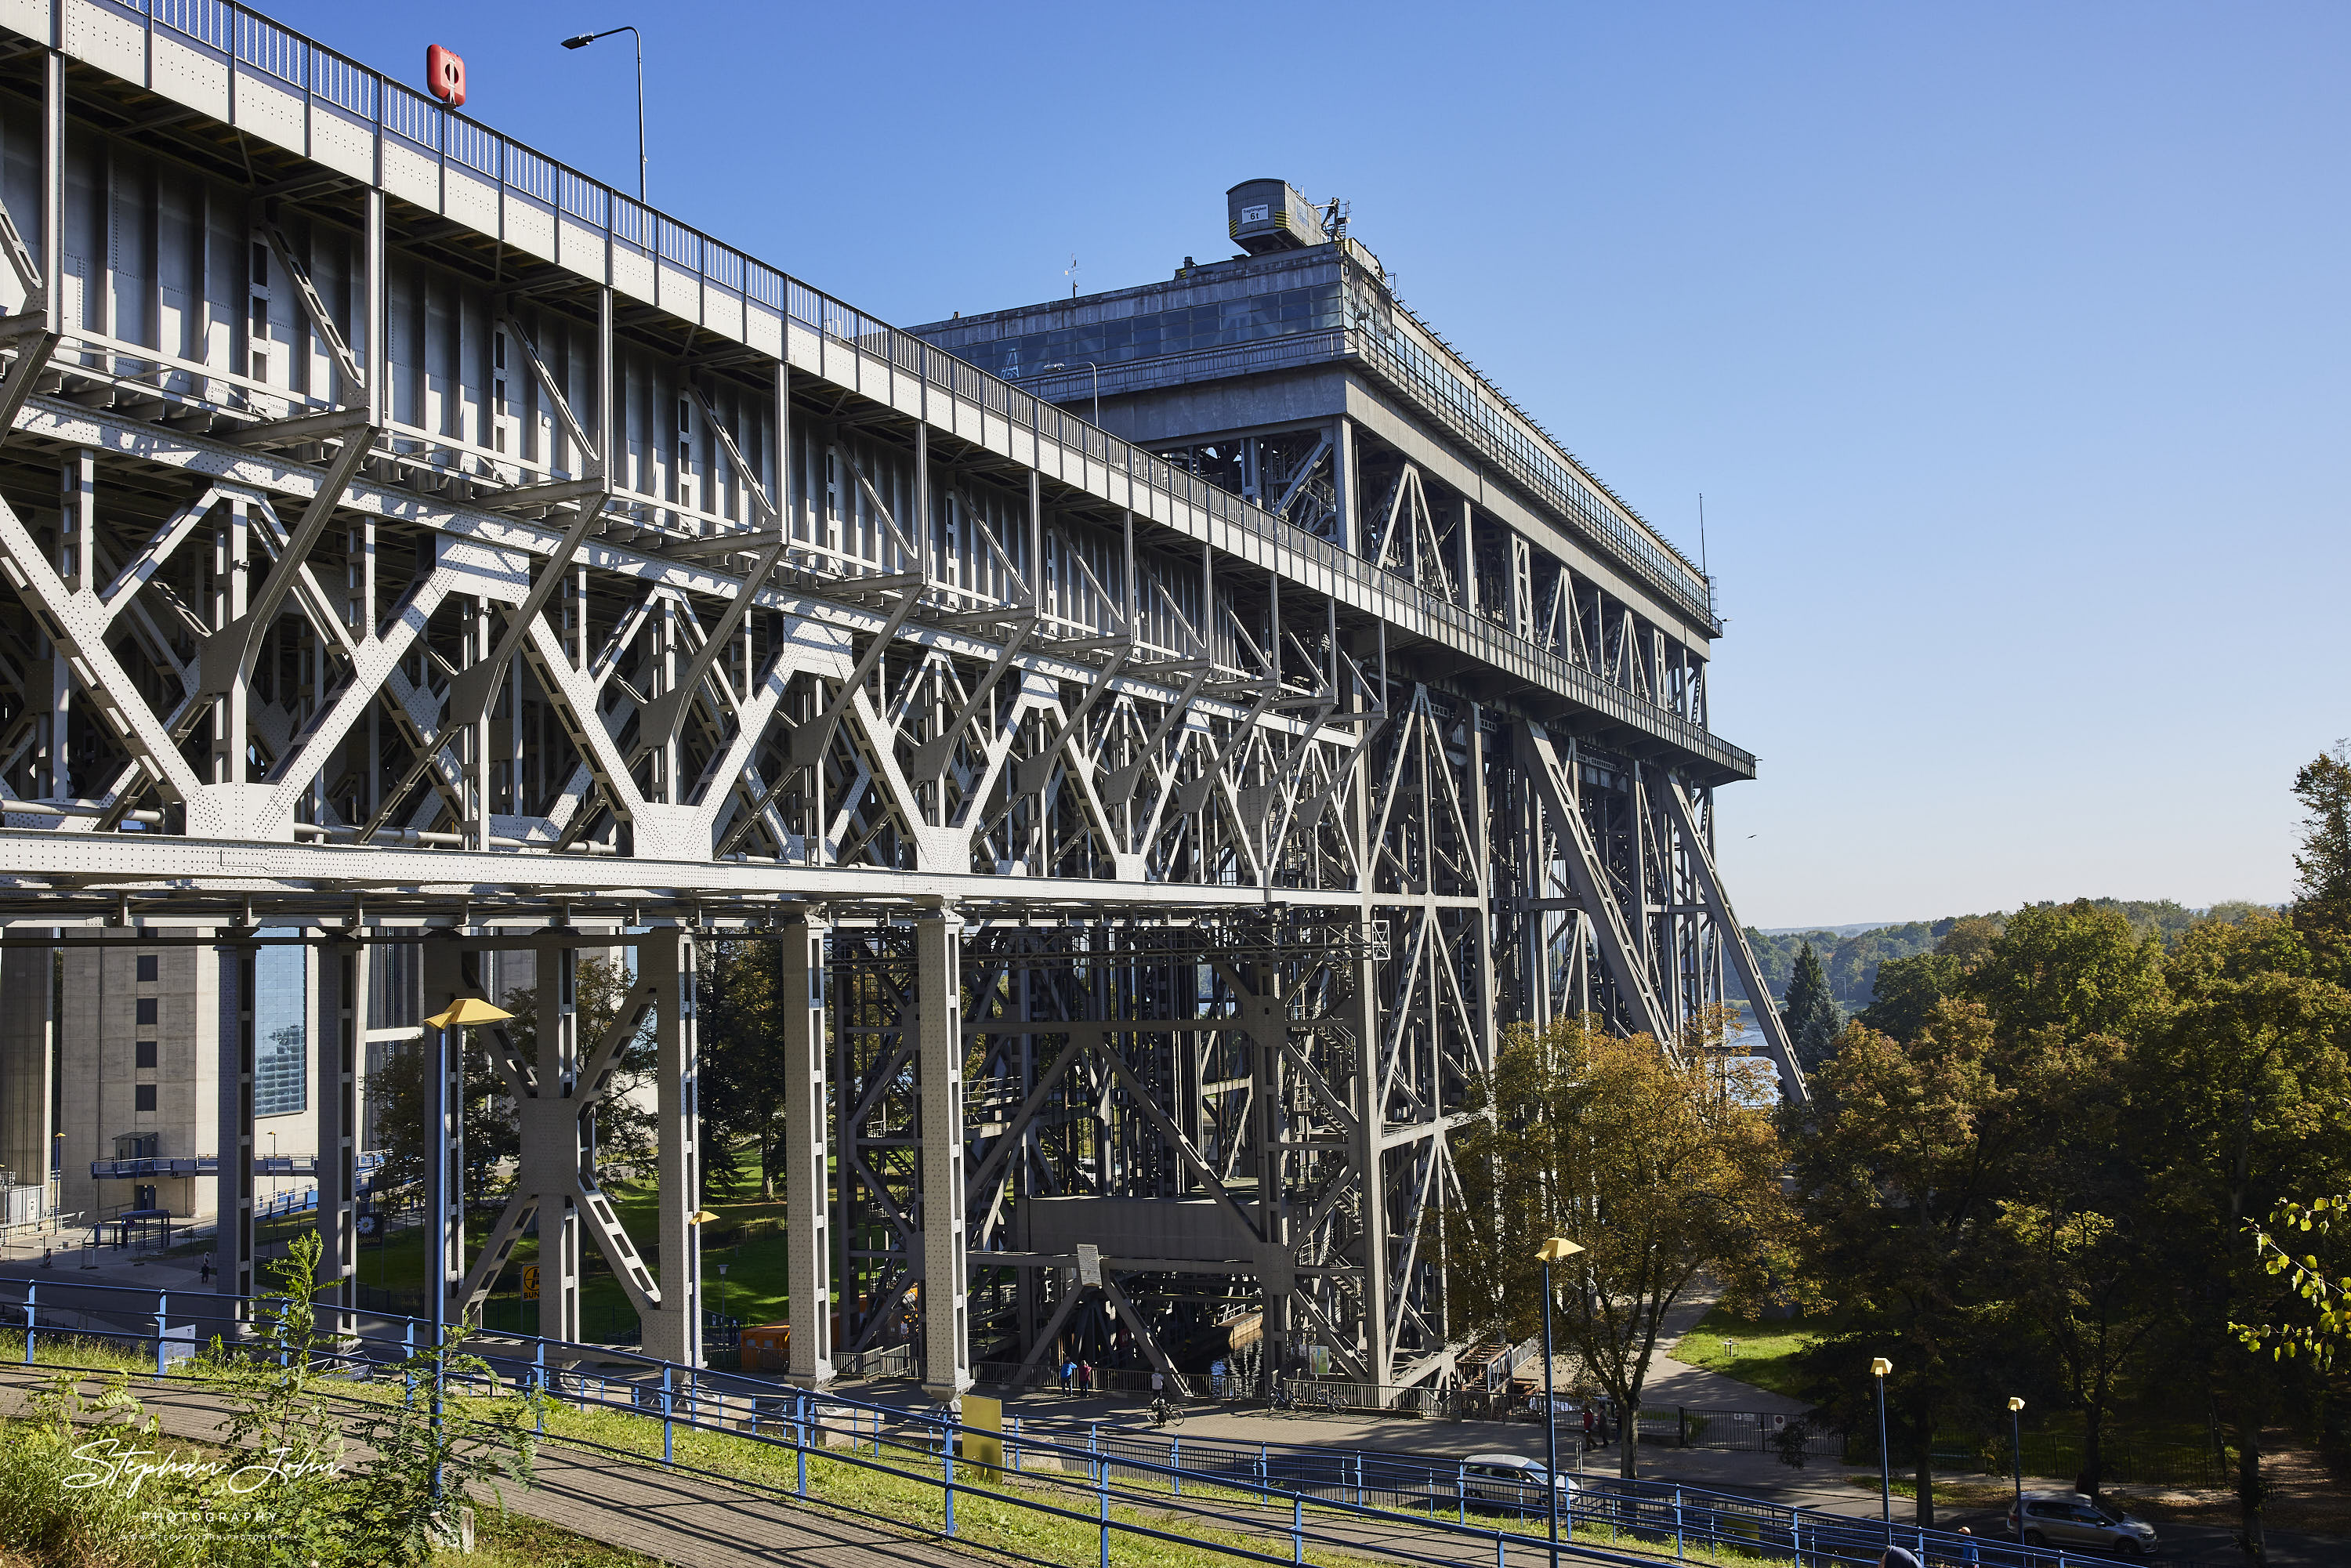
(1507, 1482)
(2070, 1520)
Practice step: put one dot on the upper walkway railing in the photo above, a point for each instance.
(367, 103)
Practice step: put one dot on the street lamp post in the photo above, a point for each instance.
(446, 1190)
(2016, 1457)
(1557, 1250)
(1061, 365)
(1879, 1369)
(581, 42)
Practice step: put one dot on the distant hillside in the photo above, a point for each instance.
(1852, 954)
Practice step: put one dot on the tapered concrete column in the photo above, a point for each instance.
(673, 1331)
(807, 1155)
(341, 1014)
(28, 998)
(938, 1010)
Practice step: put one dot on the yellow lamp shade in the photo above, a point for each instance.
(469, 1009)
(1557, 1250)
(700, 1217)
(1881, 1367)
(2014, 1404)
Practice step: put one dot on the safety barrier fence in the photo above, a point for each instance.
(1258, 1502)
(332, 85)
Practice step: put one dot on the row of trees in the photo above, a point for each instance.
(2038, 1164)
(1846, 966)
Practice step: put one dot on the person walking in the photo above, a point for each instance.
(1590, 1422)
(1085, 1378)
(1068, 1377)
(204, 1270)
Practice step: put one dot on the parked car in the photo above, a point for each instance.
(1509, 1482)
(2068, 1518)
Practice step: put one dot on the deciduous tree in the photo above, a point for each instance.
(1661, 1171)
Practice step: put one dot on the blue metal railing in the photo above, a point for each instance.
(1415, 1510)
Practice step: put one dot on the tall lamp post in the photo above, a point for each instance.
(1557, 1250)
(2016, 1456)
(1879, 1368)
(581, 42)
(1064, 365)
(446, 1190)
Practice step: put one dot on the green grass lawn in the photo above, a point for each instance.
(512, 1540)
(1761, 1353)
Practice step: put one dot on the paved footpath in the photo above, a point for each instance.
(676, 1519)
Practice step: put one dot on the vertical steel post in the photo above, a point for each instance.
(2016, 1458)
(938, 1005)
(674, 1330)
(808, 1155)
(1550, 1418)
(445, 982)
(341, 1015)
(1885, 1473)
(947, 1472)
(233, 1219)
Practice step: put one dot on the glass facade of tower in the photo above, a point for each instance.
(281, 1031)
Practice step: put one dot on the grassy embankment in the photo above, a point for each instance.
(986, 1516)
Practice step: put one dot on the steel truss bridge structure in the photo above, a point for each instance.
(409, 540)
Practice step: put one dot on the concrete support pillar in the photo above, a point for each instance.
(27, 1055)
(233, 1254)
(672, 1331)
(938, 1009)
(807, 1155)
(341, 1014)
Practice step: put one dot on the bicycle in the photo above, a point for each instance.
(1164, 1414)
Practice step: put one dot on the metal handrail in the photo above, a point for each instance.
(336, 85)
(1284, 1477)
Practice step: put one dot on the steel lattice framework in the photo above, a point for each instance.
(409, 538)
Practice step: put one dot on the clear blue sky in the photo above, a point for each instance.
(2006, 343)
